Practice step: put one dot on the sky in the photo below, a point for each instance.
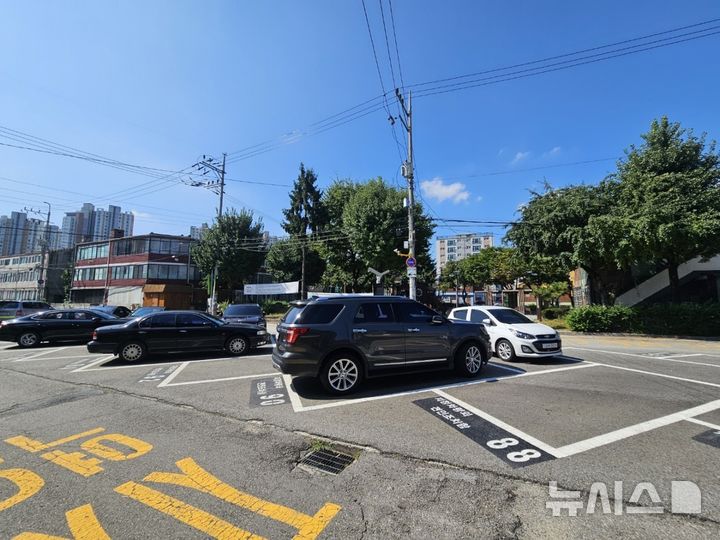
(162, 83)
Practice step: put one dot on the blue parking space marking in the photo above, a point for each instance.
(711, 437)
(268, 391)
(510, 448)
(159, 373)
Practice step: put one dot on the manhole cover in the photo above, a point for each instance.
(327, 461)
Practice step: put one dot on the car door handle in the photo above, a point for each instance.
(413, 329)
(142, 332)
(359, 331)
(183, 331)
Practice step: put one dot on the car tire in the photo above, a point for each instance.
(237, 345)
(132, 351)
(505, 351)
(27, 340)
(470, 359)
(341, 374)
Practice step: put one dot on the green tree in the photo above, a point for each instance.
(547, 293)
(456, 275)
(234, 244)
(284, 261)
(66, 278)
(669, 200)
(305, 214)
(375, 223)
(345, 270)
(572, 227)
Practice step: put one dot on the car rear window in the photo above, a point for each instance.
(312, 314)
(8, 305)
(460, 314)
(242, 310)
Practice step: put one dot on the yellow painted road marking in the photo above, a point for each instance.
(96, 447)
(27, 482)
(76, 462)
(195, 477)
(31, 445)
(188, 514)
(83, 524)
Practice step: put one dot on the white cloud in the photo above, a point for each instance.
(440, 191)
(479, 198)
(555, 151)
(141, 215)
(520, 156)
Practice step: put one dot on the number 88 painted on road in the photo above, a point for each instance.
(520, 456)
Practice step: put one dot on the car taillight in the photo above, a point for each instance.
(294, 333)
(94, 336)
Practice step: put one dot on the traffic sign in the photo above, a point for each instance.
(411, 271)
(410, 262)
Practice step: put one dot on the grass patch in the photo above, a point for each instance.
(557, 324)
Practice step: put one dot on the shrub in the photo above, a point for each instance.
(274, 306)
(601, 319)
(553, 312)
(659, 319)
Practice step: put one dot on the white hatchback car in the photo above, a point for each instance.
(512, 334)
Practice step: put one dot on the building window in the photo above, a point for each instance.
(97, 251)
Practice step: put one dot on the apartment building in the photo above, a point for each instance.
(459, 246)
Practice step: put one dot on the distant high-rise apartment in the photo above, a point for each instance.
(90, 224)
(197, 233)
(459, 246)
(13, 231)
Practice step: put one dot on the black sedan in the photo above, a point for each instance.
(245, 313)
(55, 325)
(176, 331)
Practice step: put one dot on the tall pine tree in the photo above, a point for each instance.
(306, 215)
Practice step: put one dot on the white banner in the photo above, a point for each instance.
(290, 287)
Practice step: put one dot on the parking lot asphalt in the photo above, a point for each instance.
(435, 454)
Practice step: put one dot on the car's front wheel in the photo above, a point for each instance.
(28, 339)
(469, 360)
(237, 345)
(505, 350)
(132, 352)
(341, 374)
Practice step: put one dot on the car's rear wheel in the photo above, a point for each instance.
(469, 360)
(505, 350)
(237, 345)
(132, 351)
(341, 374)
(28, 339)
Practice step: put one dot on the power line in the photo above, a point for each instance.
(528, 169)
(387, 44)
(397, 50)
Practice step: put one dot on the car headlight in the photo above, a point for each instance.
(261, 332)
(521, 335)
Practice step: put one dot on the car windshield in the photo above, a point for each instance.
(509, 316)
(8, 305)
(214, 318)
(235, 310)
(139, 312)
(104, 309)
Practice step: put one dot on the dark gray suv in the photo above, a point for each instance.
(343, 340)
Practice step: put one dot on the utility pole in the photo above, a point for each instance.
(218, 187)
(408, 173)
(44, 245)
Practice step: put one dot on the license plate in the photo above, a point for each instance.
(549, 345)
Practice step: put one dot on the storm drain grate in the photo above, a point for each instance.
(327, 460)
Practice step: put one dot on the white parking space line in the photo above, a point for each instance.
(184, 383)
(174, 374)
(38, 355)
(656, 374)
(299, 407)
(664, 358)
(703, 423)
(624, 433)
(170, 357)
(292, 394)
(99, 361)
(499, 423)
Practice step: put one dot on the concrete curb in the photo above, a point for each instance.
(697, 338)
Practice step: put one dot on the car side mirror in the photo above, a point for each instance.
(436, 319)
(95, 319)
(487, 321)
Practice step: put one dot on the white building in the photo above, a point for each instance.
(197, 233)
(459, 246)
(90, 224)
